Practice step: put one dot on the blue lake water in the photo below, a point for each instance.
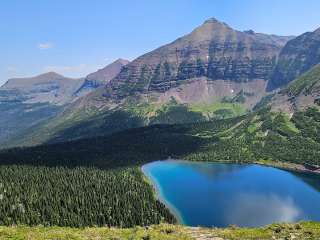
(213, 194)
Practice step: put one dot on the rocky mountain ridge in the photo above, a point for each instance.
(214, 51)
(101, 77)
(298, 56)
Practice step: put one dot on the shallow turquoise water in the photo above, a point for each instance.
(213, 194)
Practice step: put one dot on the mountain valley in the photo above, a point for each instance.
(72, 151)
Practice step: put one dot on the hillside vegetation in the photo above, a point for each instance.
(77, 197)
(305, 83)
(298, 95)
(132, 114)
(108, 166)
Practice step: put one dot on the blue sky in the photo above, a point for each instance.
(75, 37)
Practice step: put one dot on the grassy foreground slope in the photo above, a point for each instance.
(301, 231)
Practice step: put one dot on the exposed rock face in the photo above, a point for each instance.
(49, 88)
(101, 77)
(300, 94)
(213, 50)
(200, 91)
(298, 56)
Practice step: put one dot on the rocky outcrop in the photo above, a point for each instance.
(213, 50)
(300, 94)
(298, 56)
(101, 77)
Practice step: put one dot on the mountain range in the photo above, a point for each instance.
(214, 72)
(212, 62)
(72, 149)
(25, 102)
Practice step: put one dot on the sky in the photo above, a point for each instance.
(77, 37)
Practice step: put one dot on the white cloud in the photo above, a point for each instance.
(254, 210)
(44, 46)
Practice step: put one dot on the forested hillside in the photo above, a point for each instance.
(77, 197)
(247, 138)
(104, 171)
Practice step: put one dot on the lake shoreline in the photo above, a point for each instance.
(289, 166)
(159, 194)
(300, 168)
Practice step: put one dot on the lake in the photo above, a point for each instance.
(214, 194)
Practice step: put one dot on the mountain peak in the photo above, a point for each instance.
(214, 21)
(104, 75)
(122, 61)
(101, 77)
(50, 75)
(39, 79)
(108, 72)
(209, 30)
(250, 32)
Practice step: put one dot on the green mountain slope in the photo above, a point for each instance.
(260, 135)
(17, 117)
(305, 84)
(300, 93)
(48, 170)
(132, 114)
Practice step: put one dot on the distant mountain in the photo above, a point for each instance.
(25, 102)
(46, 88)
(101, 77)
(298, 56)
